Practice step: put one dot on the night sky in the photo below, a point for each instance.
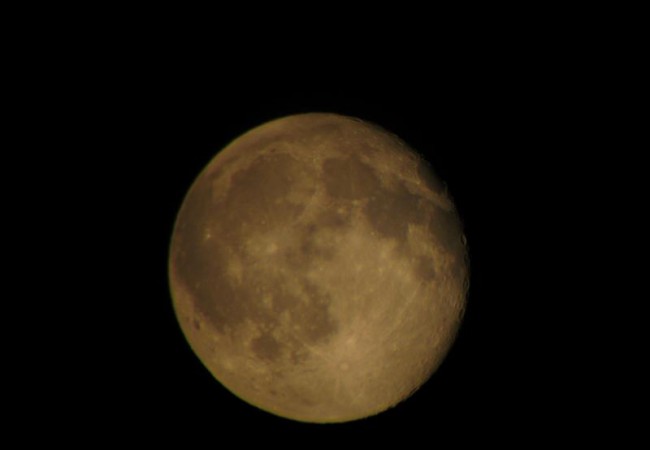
(494, 129)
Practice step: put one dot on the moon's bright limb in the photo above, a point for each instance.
(318, 268)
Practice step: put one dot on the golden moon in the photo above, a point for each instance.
(318, 268)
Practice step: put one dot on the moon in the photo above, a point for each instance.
(318, 268)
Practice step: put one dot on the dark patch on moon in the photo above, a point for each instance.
(333, 217)
(317, 322)
(446, 228)
(222, 304)
(266, 347)
(283, 302)
(349, 178)
(390, 212)
(308, 250)
(425, 269)
(312, 248)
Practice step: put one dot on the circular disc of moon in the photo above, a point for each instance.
(318, 268)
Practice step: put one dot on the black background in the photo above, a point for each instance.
(487, 144)
(502, 129)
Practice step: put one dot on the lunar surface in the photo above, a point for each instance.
(318, 268)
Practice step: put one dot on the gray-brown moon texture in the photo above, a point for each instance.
(318, 268)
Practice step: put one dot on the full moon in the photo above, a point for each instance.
(318, 268)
